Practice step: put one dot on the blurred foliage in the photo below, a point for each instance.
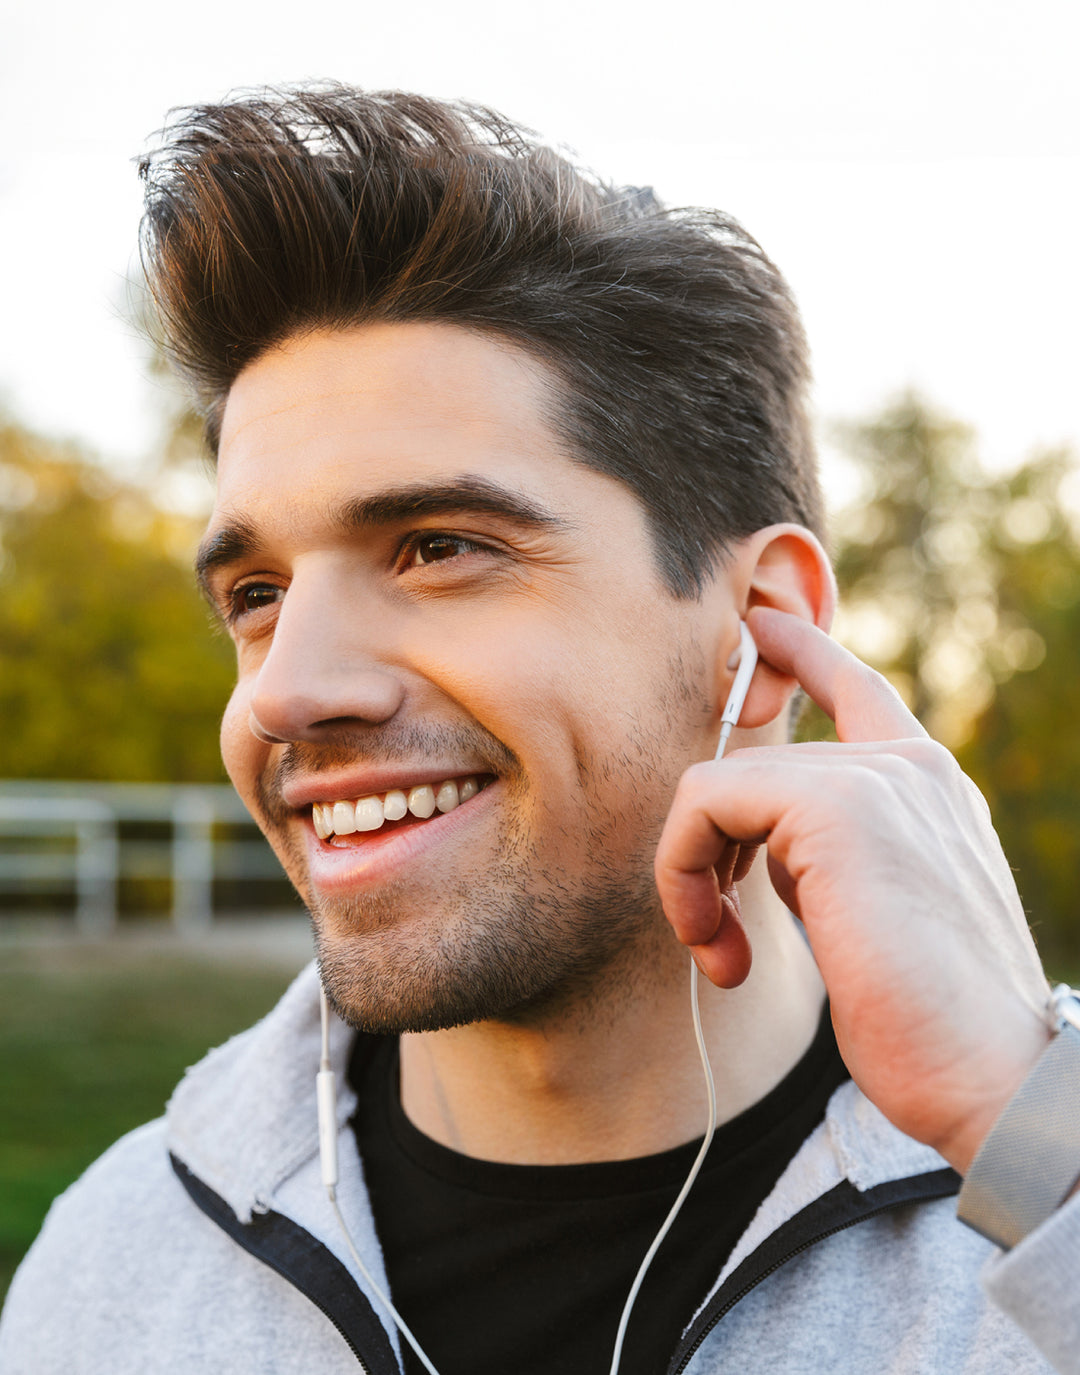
(964, 588)
(108, 668)
(1024, 751)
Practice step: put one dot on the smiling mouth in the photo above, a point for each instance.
(334, 821)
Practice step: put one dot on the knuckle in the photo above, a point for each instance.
(924, 769)
(702, 784)
(932, 760)
(867, 789)
(691, 784)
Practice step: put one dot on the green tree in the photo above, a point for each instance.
(108, 666)
(1024, 751)
(918, 578)
(964, 589)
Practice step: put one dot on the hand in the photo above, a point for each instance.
(885, 851)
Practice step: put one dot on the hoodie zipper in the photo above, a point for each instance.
(297, 1256)
(847, 1206)
(841, 1208)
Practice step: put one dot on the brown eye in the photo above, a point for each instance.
(434, 548)
(254, 596)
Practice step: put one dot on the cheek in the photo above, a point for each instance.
(240, 751)
(577, 679)
(587, 713)
(503, 669)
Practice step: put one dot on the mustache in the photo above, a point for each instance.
(410, 744)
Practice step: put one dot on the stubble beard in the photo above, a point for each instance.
(501, 946)
(492, 952)
(518, 942)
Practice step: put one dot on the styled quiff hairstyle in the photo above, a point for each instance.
(679, 358)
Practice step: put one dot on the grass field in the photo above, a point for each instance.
(92, 1042)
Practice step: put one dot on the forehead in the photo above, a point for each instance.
(385, 402)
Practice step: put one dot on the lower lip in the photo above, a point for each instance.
(382, 855)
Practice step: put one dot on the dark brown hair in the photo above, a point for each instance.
(677, 347)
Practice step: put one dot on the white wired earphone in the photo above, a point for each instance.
(327, 1095)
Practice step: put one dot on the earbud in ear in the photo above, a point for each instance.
(748, 656)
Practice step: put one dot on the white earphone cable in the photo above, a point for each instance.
(748, 657)
(695, 1170)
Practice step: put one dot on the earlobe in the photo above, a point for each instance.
(786, 568)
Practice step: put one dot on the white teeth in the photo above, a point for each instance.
(369, 814)
(395, 805)
(422, 800)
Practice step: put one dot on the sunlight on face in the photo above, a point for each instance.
(423, 587)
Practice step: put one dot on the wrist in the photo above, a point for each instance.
(1005, 1078)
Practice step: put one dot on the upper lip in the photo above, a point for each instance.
(341, 786)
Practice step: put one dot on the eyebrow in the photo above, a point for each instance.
(239, 539)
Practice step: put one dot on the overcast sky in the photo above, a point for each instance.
(914, 170)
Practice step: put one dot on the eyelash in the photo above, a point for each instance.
(236, 610)
(412, 544)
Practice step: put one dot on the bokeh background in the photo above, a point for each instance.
(914, 172)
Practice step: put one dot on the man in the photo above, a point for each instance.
(504, 459)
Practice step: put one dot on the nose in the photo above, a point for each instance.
(321, 672)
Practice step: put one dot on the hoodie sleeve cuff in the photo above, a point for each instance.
(1036, 1285)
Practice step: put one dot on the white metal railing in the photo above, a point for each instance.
(69, 838)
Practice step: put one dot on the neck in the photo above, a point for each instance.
(618, 1075)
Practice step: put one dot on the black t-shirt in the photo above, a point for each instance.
(523, 1268)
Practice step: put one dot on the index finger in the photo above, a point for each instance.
(862, 704)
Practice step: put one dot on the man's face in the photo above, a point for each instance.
(423, 590)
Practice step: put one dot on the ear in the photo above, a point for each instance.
(784, 567)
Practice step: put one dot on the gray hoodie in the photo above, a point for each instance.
(204, 1242)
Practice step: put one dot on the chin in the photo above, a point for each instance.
(507, 957)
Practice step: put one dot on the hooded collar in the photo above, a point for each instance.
(855, 1144)
(244, 1121)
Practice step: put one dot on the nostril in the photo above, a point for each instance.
(261, 733)
(308, 704)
